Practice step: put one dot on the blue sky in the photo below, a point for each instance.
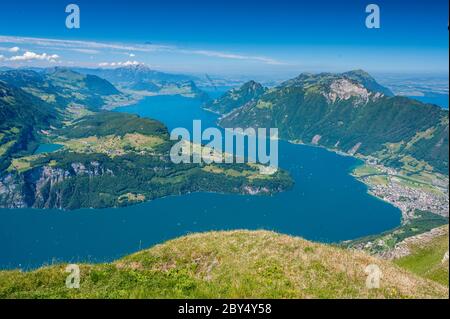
(271, 38)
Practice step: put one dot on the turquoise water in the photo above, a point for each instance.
(326, 204)
(438, 99)
(47, 148)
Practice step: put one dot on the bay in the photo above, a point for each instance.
(47, 148)
(326, 205)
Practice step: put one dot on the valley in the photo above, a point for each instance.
(403, 143)
(107, 159)
(280, 151)
(114, 159)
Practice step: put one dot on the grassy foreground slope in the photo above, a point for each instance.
(427, 259)
(236, 264)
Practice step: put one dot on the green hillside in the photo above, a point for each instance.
(21, 117)
(235, 98)
(116, 159)
(140, 80)
(34, 103)
(107, 159)
(339, 112)
(65, 90)
(133, 74)
(237, 264)
(427, 259)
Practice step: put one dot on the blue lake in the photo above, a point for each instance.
(438, 99)
(326, 205)
(47, 148)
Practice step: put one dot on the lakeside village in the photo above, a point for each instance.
(407, 193)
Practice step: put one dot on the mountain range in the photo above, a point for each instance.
(349, 112)
(134, 74)
(62, 87)
(143, 80)
(111, 159)
(235, 98)
(107, 159)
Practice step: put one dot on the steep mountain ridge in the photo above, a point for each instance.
(22, 116)
(108, 159)
(134, 74)
(64, 88)
(141, 80)
(235, 98)
(337, 111)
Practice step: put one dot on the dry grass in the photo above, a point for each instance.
(236, 264)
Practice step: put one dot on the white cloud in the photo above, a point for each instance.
(28, 56)
(73, 44)
(92, 45)
(224, 55)
(127, 63)
(2, 57)
(131, 55)
(114, 64)
(87, 51)
(12, 49)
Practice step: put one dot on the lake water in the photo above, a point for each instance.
(47, 148)
(326, 205)
(438, 99)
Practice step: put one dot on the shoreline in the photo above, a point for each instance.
(385, 171)
(351, 170)
(406, 214)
